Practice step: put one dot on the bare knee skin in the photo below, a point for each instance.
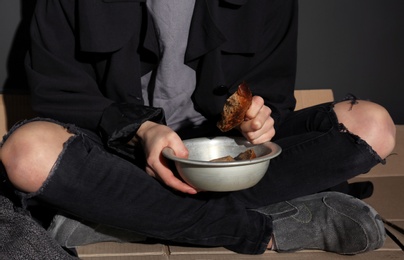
(30, 152)
(371, 122)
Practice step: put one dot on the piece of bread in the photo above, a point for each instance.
(235, 108)
(248, 154)
(227, 158)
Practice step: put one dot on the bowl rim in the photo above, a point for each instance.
(275, 151)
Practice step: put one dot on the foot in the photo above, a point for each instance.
(328, 221)
(70, 232)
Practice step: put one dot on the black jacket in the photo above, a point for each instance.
(87, 58)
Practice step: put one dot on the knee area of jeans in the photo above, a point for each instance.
(29, 152)
(371, 122)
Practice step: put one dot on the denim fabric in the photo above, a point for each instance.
(318, 153)
(93, 184)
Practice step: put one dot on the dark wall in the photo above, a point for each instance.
(349, 46)
(354, 47)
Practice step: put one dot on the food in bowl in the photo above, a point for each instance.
(200, 172)
(247, 155)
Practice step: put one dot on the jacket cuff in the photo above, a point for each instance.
(120, 122)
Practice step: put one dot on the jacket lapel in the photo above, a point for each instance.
(107, 25)
(204, 35)
(229, 24)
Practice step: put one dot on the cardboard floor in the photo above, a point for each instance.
(387, 199)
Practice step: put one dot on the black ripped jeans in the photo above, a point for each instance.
(91, 183)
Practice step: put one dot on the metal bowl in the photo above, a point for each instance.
(198, 171)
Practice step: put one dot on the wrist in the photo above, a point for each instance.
(141, 132)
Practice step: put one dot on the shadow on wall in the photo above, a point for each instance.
(16, 102)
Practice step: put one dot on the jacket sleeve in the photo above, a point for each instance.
(73, 86)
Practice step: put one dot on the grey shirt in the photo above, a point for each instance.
(174, 81)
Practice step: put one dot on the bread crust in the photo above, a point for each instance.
(248, 154)
(235, 108)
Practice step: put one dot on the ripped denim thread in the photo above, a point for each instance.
(69, 128)
(343, 129)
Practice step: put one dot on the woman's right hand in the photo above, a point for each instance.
(154, 138)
